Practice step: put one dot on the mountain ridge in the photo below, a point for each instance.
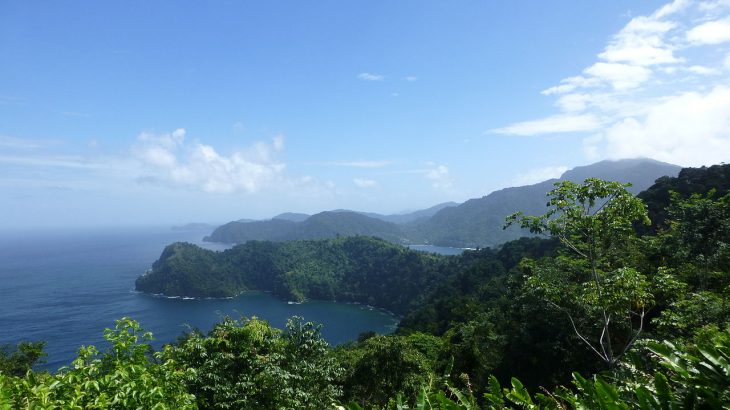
(475, 223)
(455, 226)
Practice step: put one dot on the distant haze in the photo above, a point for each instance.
(230, 110)
(477, 222)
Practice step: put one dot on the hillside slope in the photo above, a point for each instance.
(478, 222)
(475, 223)
(323, 225)
(355, 269)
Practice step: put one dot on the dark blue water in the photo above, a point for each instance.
(65, 287)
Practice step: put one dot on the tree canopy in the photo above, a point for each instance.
(601, 314)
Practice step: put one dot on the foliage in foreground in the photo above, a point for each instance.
(248, 364)
(699, 379)
(125, 376)
(17, 361)
(517, 311)
(594, 221)
(243, 365)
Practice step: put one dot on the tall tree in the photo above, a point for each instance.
(591, 281)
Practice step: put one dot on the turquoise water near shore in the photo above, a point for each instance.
(65, 287)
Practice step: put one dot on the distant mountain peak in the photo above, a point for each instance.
(475, 223)
(292, 216)
(479, 221)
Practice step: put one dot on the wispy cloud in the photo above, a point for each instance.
(361, 163)
(411, 78)
(370, 77)
(23, 143)
(655, 90)
(168, 160)
(364, 183)
(702, 70)
(439, 176)
(239, 127)
(556, 124)
(641, 43)
(52, 161)
(534, 176)
(278, 142)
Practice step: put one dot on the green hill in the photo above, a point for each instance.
(320, 226)
(475, 223)
(478, 222)
(356, 269)
(689, 181)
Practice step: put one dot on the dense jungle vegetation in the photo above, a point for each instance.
(358, 269)
(625, 303)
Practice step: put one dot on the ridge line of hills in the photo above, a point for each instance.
(475, 223)
(372, 270)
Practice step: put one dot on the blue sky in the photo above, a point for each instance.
(168, 112)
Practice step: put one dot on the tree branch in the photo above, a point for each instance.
(570, 317)
(636, 336)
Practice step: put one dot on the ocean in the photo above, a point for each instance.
(66, 286)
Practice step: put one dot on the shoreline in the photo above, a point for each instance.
(288, 302)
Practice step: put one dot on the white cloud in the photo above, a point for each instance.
(641, 43)
(538, 175)
(411, 78)
(370, 77)
(166, 158)
(439, 177)
(563, 123)
(570, 84)
(713, 5)
(624, 62)
(157, 156)
(654, 90)
(619, 76)
(166, 140)
(702, 70)
(573, 102)
(690, 129)
(671, 8)
(364, 183)
(711, 32)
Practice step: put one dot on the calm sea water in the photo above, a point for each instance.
(65, 287)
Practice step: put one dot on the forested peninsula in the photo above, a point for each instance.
(352, 269)
(612, 310)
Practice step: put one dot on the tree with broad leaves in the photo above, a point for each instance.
(590, 281)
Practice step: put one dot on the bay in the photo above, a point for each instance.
(66, 286)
